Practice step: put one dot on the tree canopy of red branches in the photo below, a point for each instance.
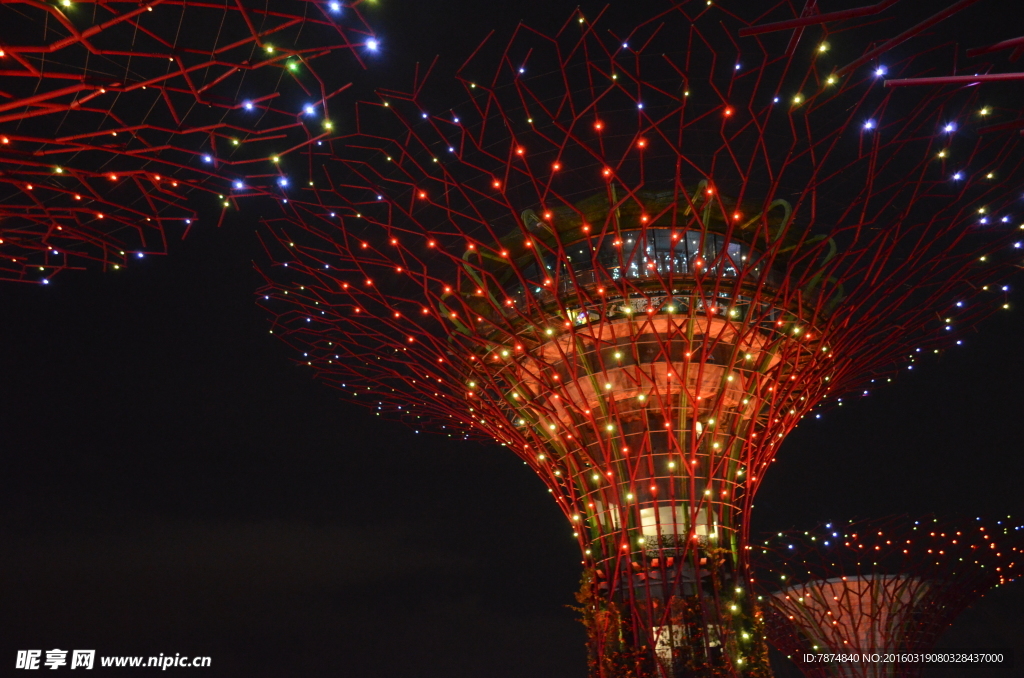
(887, 586)
(638, 258)
(121, 122)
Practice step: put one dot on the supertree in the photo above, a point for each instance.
(637, 259)
(886, 587)
(113, 112)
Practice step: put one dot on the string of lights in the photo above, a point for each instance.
(638, 260)
(121, 122)
(887, 587)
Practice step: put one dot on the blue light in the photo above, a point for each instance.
(309, 109)
(737, 67)
(188, 221)
(451, 149)
(1017, 245)
(207, 158)
(372, 44)
(380, 197)
(140, 255)
(522, 70)
(775, 100)
(625, 45)
(950, 127)
(45, 281)
(335, 6)
(958, 176)
(247, 105)
(881, 70)
(1005, 220)
(455, 120)
(869, 124)
(984, 220)
(238, 185)
(639, 104)
(283, 181)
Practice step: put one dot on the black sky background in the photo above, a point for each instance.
(172, 482)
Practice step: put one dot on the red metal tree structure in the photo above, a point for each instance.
(889, 587)
(113, 112)
(638, 260)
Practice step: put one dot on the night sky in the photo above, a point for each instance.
(173, 482)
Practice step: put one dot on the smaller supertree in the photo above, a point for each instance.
(119, 119)
(885, 586)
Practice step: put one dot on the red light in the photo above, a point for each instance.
(520, 151)
(727, 111)
(598, 125)
(423, 194)
(496, 183)
(642, 143)
(736, 215)
(557, 166)
(607, 172)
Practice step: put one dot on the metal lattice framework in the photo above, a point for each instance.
(112, 112)
(889, 586)
(638, 261)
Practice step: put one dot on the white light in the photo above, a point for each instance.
(372, 44)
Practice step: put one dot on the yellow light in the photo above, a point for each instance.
(831, 80)
(823, 47)
(798, 99)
